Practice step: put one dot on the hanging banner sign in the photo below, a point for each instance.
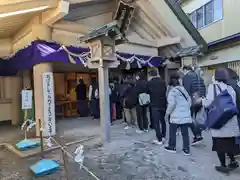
(49, 105)
(27, 99)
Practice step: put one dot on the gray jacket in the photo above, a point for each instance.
(178, 106)
(230, 129)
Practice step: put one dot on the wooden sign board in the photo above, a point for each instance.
(27, 99)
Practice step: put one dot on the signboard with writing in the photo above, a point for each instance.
(49, 105)
(27, 99)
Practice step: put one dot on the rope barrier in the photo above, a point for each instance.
(70, 156)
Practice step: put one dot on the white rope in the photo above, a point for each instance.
(85, 56)
(70, 156)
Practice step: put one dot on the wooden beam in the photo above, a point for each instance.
(80, 1)
(148, 9)
(26, 29)
(26, 5)
(79, 12)
(167, 41)
(72, 27)
(135, 39)
(51, 16)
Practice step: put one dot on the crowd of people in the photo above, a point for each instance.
(177, 103)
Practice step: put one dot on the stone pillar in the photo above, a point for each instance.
(38, 71)
(16, 99)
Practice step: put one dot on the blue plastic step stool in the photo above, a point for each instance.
(44, 167)
(27, 144)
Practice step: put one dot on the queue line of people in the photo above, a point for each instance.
(177, 104)
(186, 96)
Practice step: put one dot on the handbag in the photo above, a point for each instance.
(144, 99)
(201, 117)
(221, 110)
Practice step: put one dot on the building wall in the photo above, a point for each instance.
(225, 55)
(222, 28)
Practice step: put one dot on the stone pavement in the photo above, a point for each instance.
(130, 156)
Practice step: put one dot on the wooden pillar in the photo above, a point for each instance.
(43, 32)
(38, 71)
(27, 79)
(16, 99)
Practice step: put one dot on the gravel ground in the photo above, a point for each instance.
(129, 156)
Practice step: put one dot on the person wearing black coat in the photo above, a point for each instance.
(81, 92)
(142, 119)
(156, 88)
(194, 83)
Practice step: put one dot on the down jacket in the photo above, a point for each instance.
(178, 108)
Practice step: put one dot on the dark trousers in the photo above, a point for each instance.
(222, 157)
(82, 108)
(158, 117)
(196, 130)
(142, 117)
(119, 110)
(151, 118)
(95, 109)
(172, 135)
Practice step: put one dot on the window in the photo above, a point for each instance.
(200, 17)
(218, 10)
(207, 14)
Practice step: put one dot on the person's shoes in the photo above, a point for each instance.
(170, 149)
(186, 152)
(126, 128)
(233, 165)
(145, 130)
(197, 140)
(157, 142)
(139, 131)
(223, 169)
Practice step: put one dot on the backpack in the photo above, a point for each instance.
(144, 99)
(221, 110)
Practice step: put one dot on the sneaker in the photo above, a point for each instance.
(151, 126)
(186, 152)
(170, 149)
(126, 128)
(157, 142)
(197, 140)
(233, 165)
(223, 169)
(139, 131)
(145, 130)
(163, 139)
